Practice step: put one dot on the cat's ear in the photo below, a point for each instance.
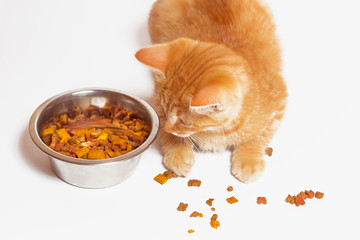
(207, 99)
(156, 57)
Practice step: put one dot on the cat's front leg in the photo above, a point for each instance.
(178, 154)
(247, 161)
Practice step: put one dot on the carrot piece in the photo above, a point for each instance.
(129, 148)
(64, 135)
(96, 154)
(49, 130)
(215, 224)
(160, 178)
(103, 136)
(231, 200)
(111, 154)
(82, 152)
(80, 132)
(117, 140)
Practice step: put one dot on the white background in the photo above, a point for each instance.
(48, 47)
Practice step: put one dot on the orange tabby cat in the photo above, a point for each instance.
(218, 81)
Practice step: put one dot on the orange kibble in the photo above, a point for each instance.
(168, 174)
(290, 199)
(230, 188)
(269, 151)
(232, 200)
(303, 195)
(310, 194)
(160, 178)
(182, 207)
(195, 214)
(319, 195)
(210, 201)
(194, 183)
(299, 201)
(261, 200)
(214, 217)
(215, 224)
(191, 231)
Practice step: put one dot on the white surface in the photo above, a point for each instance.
(47, 47)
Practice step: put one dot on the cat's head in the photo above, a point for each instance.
(200, 85)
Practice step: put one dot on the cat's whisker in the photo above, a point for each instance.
(200, 142)
(199, 139)
(194, 143)
(189, 143)
(197, 143)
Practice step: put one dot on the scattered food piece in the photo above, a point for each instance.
(269, 151)
(290, 199)
(210, 201)
(196, 214)
(232, 200)
(214, 222)
(182, 207)
(310, 194)
(261, 200)
(194, 183)
(212, 209)
(230, 189)
(319, 195)
(170, 174)
(299, 201)
(303, 195)
(191, 231)
(160, 178)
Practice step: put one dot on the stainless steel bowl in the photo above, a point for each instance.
(92, 173)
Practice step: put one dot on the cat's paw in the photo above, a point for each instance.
(181, 164)
(248, 170)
